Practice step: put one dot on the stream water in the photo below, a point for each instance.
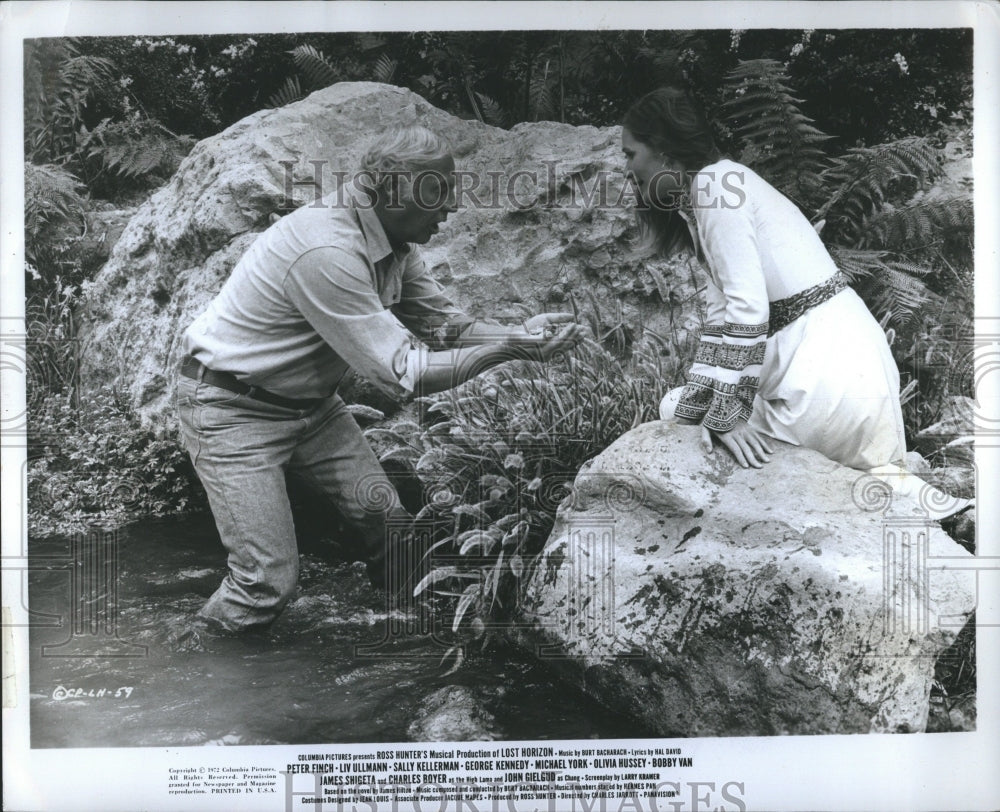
(110, 669)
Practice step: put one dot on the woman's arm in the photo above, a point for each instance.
(723, 380)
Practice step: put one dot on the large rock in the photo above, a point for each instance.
(705, 599)
(454, 713)
(532, 247)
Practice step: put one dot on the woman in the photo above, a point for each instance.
(790, 351)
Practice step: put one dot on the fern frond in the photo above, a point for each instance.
(540, 94)
(384, 69)
(53, 197)
(890, 286)
(922, 223)
(58, 84)
(493, 113)
(777, 139)
(862, 180)
(316, 68)
(82, 73)
(135, 149)
(901, 292)
(858, 263)
(290, 91)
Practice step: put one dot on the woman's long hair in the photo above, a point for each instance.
(670, 123)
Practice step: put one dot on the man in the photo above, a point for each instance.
(324, 289)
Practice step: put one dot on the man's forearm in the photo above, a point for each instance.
(479, 333)
(448, 369)
(532, 342)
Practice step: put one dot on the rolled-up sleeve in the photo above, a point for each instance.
(425, 308)
(334, 292)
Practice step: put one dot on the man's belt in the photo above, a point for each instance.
(193, 368)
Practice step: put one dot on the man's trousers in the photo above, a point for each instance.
(242, 448)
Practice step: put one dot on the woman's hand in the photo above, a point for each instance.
(747, 445)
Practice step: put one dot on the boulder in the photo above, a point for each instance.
(454, 713)
(710, 600)
(526, 238)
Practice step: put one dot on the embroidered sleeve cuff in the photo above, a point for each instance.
(717, 405)
(736, 357)
(723, 380)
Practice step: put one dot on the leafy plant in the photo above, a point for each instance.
(863, 180)
(53, 349)
(504, 451)
(136, 149)
(317, 72)
(316, 68)
(490, 111)
(385, 68)
(892, 288)
(59, 83)
(54, 205)
(94, 463)
(778, 140)
(290, 91)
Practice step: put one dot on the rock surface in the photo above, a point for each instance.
(453, 714)
(530, 243)
(790, 600)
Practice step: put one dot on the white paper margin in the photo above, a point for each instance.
(911, 772)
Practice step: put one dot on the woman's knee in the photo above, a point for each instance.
(669, 403)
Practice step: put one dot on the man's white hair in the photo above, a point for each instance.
(403, 149)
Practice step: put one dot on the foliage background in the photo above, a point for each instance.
(108, 119)
(852, 82)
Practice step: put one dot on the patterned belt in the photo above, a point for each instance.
(193, 368)
(785, 311)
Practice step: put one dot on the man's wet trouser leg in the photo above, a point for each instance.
(241, 449)
(336, 460)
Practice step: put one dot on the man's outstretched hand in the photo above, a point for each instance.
(546, 322)
(547, 335)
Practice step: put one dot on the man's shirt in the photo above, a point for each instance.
(320, 291)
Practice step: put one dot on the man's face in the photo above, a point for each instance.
(425, 201)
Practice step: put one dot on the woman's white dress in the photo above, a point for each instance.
(827, 380)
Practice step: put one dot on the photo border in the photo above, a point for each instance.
(916, 771)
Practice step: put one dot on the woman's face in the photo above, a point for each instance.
(659, 179)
